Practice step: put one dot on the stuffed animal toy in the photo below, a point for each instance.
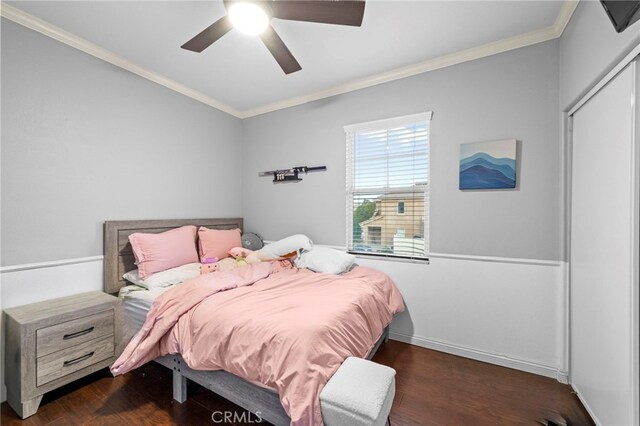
(226, 264)
(209, 264)
(207, 268)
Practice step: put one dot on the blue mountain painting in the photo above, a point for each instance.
(482, 171)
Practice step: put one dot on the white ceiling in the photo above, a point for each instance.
(238, 70)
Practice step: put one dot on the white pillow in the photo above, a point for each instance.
(325, 259)
(287, 245)
(165, 278)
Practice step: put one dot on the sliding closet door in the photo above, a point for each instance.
(603, 363)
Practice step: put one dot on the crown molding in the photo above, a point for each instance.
(489, 49)
(22, 18)
(538, 36)
(564, 16)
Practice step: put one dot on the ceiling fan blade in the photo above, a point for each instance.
(339, 12)
(209, 35)
(279, 50)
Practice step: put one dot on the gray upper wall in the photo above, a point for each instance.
(589, 48)
(84, 141)
(510, 95)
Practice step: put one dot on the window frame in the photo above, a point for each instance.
(380, 125)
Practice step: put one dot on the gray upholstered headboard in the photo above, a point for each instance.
(118, 256)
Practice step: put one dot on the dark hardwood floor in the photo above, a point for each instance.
(433, 388)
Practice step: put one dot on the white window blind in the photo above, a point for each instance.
(388, 187)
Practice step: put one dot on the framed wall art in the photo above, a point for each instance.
(488, 165)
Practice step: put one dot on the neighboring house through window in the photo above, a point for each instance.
(388, 186)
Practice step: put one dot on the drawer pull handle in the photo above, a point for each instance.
(77, 334)
(79, 359)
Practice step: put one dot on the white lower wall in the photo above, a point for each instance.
(34, 283)
(491, 309)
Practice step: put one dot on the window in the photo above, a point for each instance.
(388, 187)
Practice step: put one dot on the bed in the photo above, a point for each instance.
(119, 259)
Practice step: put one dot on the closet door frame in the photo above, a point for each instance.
(630, 60)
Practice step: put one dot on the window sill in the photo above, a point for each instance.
(390, 258)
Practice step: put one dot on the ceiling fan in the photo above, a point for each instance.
(254, 18)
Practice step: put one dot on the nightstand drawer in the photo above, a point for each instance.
(72, 333)
(61, 363)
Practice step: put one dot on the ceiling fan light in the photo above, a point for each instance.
(248, 18)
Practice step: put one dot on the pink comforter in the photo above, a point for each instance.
(288, 330)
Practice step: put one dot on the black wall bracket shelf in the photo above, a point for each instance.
(291, 175)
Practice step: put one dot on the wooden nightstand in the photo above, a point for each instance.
(51, 343)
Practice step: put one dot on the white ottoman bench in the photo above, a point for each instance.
(360, 393)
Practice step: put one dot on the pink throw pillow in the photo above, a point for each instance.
(217, 242)
(159, 252)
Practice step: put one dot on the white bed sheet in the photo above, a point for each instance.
(136, 303)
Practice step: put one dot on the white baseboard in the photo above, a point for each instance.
(504, 361)
(586, 405)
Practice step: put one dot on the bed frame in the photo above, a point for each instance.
(118, 259)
